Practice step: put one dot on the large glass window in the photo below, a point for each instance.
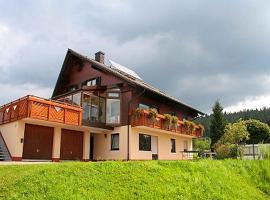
(93, 108)
(76, 99)
(86, 108)
(72, 99)
(115, 141)
(113, 111)
(144, 142)
(173, 149)
(68, 99)
(102, 105)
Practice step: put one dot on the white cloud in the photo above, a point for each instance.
(11, 42)
(205, 53)
(12, 92)
(250, 103)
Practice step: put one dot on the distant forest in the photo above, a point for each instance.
(260, 114)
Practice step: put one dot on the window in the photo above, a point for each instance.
(144, 142)
(86, 108)
(113, 111)
(173, 114)
(115, 141)
(76, 99)
(93, 108)
(71, 99)
(184, 117)
(143, 106)
(113, 94)
(146, 107)
(68, 99)
(91, 82)
(72, 88)
(113, 108)
(173, 150)
(102, 105)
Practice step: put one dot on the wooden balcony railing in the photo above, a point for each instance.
(43, 109)
(159, 123)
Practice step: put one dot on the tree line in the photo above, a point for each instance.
(262, 115)
(229, 131)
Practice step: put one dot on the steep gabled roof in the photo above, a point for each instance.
(124, 76)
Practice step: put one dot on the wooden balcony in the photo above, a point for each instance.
(160, 123)
(42, 109)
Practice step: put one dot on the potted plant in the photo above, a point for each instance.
(137, 113)
(201, 128)
(175, 122)
(152, 114)
(186, 125)
(167, 121)
(189, 126)
(192, 127)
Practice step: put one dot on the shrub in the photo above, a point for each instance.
(202, 145)
(228, 150)
(222, 151)
(234, 134)
(259, 131)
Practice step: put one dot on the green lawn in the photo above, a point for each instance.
(205, 179)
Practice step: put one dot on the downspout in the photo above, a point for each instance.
(129, 102)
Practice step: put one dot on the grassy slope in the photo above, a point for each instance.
(206, 179)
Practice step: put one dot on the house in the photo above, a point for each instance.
(97, 112)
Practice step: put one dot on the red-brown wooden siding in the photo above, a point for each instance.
(78, 72)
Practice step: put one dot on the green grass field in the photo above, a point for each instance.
(205, 179)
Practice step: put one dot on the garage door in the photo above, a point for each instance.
(38, 141)
(71, 145)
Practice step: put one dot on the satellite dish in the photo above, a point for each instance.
(124, 69)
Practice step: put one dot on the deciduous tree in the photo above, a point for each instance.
(259, 131)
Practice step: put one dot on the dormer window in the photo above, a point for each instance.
(72, 88)
(92, 82)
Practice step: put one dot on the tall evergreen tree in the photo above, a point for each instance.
(218, 123)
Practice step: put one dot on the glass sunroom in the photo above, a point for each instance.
(99, 110)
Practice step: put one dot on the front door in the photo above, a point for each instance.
(71, 145)
(38, 142)
(91, 156)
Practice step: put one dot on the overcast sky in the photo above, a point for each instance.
(197, 51)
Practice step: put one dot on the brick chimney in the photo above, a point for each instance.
(99, 56)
